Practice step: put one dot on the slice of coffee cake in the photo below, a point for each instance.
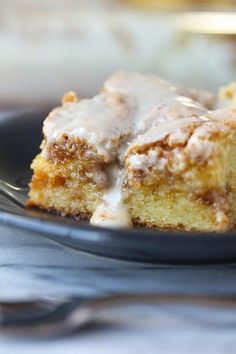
(142, 151)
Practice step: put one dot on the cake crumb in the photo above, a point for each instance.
(70, 97)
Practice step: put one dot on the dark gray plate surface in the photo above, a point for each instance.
(20, 136)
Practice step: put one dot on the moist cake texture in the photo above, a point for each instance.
(143, 151)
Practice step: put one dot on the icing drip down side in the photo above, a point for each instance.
(112, 212)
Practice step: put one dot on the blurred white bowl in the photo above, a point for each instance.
(47, 49)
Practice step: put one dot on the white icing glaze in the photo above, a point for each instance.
(101, 121)
(176, 132)
(131, 105)
(156, 101)
(199, 146)
(144, 161)
(112, 211)
(223, 115)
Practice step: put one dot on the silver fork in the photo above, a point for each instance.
(54, 317)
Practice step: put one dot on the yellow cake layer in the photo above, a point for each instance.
(201, 198)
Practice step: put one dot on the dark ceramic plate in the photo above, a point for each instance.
(20, 136)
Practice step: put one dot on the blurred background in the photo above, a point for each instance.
(49, 47)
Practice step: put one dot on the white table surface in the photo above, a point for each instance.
(31, 265)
